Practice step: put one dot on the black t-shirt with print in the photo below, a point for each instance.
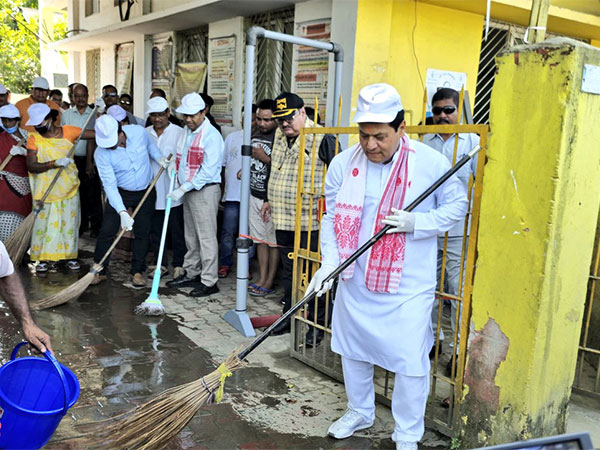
(259, 171)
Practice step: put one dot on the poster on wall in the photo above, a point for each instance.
(162, 60)
(189, 77)
(220, 80)
(312, 65)
(437, 79)
(124, 68)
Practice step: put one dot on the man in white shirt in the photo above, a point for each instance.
(199, 161)
(166, 136)
(90, 190)
(382, 312)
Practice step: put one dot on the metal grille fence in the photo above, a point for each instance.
(273, 73)
(192, 45)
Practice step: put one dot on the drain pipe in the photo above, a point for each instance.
(238, 317)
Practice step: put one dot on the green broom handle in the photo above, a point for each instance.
(69, 155)
(136, 210)
(9, 157)
(256, 342)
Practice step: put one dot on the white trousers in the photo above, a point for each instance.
(409, 398)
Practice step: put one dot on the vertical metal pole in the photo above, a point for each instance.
(337, 88)
(238, 318)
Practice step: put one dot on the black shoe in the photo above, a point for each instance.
(205, 290)
(310, 337)
(184, 281)
(432, 351)
(282, 328)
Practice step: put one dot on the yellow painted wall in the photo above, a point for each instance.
(595, 42)
(385, 50)
(537, 227)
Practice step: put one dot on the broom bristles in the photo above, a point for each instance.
(18, 242)
(153, 424)
(71, 292)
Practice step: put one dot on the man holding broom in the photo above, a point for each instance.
(383, 303)
(123, 162)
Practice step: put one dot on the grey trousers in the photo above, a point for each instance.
(451, 280)
(200, 227)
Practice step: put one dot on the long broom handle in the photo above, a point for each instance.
(69, 155)
(137, 208)
(464, 160)
(10, 156)
(163, 238)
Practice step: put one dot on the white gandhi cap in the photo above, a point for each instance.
(117, 112)
(107, 131)
(40, 83)
(3, 89)
(157, 105)
(10, 112)
(377, 103)
(191, 104)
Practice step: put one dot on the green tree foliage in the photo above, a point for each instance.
(19, 46)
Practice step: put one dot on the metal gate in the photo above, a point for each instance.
(446, 387)
(273, 74)
(587, 374)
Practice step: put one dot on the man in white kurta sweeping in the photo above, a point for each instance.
(383, 304)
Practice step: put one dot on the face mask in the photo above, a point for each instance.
(10, 130)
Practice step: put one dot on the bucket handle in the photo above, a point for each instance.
(50, 357)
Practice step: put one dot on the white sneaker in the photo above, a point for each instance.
(346, 425)
(406, 445)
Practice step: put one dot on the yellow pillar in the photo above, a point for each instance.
(538, 221)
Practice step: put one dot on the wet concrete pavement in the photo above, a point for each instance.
(123, 360)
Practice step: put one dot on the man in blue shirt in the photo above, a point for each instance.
(199, 160)
(123, 162)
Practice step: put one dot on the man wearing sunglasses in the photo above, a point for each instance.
(445, 112)
(280, 205)
(110, 95)
(126, 102)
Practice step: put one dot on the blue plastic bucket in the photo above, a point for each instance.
(35, 394)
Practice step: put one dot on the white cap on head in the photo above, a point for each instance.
(10, 112)
(37, 113)
(40, 83)
(116, 112)
(157, 105)
(3, 90)
(191, 104)
(377, 103)
(107, 131)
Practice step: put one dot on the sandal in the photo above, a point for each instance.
(73, 265)
(260, 291)
(41, 267)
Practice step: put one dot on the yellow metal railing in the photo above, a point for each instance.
(307, 259)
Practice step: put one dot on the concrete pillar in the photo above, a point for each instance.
(537, 226)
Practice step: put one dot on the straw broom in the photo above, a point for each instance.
(152, 424)
(18, 242)
(73, 291)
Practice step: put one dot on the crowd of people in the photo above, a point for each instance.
(384, 308)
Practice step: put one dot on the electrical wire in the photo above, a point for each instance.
(414, 50)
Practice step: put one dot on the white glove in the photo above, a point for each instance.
(177, 194)
(402, 221)
(62, 162)
(316, 284)
(126, 221)
(166, 163)
(18, 151)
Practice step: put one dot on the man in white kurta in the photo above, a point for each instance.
(389, 329)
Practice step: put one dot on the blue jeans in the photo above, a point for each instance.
(229, 233)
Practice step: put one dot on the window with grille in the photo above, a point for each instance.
(500, 36)
(273, 69)
(92, 73)
(192, 45)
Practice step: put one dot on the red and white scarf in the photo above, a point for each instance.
(195, 156)
(386, 257)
